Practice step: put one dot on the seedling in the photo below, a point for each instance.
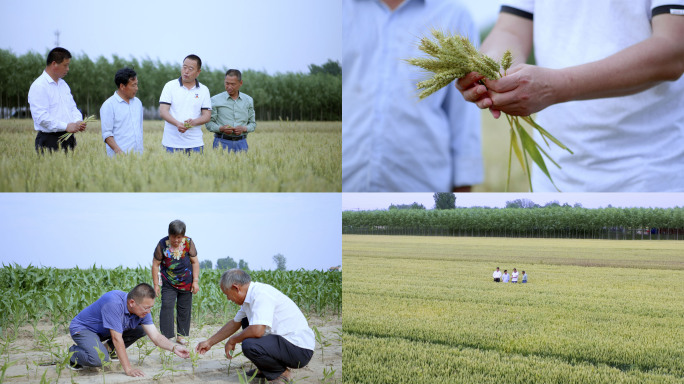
(105, 363)
(244, 379)
(144, 349)
(328, 375)
(322, 341)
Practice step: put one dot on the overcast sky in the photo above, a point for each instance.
(109, 229)
(268, 35)
(370, 201)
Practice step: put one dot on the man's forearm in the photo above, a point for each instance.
(120, 348)
(112, 144)
(230, 328)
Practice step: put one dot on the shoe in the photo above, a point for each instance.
(181, 341)
(281, 380)
(250, 373)
(75, 367)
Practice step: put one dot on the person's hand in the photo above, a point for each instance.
(524, 90)
(156, 290)
(73, 127)
(240, 129)
(473, 91)
(226, 129)
(81, 125)
(119, 151)
(134, 372)
(203, 347)
(230, 347)
(181, 351)
(195, 287)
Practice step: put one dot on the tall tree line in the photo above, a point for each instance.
(316, 95)
(553, 221)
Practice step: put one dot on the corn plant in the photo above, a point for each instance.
(4, 368)
(454, 57)
(145, 348)
(244, 379)
(104, 362)
(322, 341)
(328, 375)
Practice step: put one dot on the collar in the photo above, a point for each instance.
(48, 77)
(228, 95)
(180, 81)
(248, 296)
(119, 98)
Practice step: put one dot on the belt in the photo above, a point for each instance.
(52, 133)
(223, 136)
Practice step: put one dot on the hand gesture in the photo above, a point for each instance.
(195, 287)
(181, 351)
(203, 347)
(230, 347)
(135, 372)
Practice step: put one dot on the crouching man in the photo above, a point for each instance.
(275, 335)
(111, 324)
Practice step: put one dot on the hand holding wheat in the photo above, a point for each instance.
(67, 135)
(454, 57)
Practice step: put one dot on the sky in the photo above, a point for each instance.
(66, 230)
(265, 35)
(371, 201)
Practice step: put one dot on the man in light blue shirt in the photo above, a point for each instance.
(391, 140)
(232, 115)
(122, 115)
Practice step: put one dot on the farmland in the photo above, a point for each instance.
(282, 157)
(425, 309)
(39, 303)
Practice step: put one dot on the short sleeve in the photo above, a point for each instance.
(522, 8)
(206, 99)
(241, 314)
(158, 252)
(165, 97)
(193, 251)
(147, 320)
(263, 309)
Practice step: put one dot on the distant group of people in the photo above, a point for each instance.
(274, 333)
(184, 105)
(505, 277)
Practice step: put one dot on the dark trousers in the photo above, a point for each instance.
(86, 342)
(272, 354)
(49, 141)
(182, 300)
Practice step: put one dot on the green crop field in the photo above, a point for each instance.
(425, 310)
(282, 157)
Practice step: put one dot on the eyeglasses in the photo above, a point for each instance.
(146, 309)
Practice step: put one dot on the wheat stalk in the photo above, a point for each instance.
(67, 135)
(453, 57)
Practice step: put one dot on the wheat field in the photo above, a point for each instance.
(282, 157)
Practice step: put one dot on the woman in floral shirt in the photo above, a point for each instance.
(177, 256)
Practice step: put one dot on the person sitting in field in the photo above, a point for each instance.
(514, 276)
(497, 275)
(113, 323)
(506, 276)
(275, 335)
(524, 278)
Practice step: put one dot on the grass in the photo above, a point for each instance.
(424, 309)
(282, 157)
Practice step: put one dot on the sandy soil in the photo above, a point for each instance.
(33, 359)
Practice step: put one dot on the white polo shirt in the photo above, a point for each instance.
(185, 104)
(265, 305)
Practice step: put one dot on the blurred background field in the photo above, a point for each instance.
(495, 147)
(283, 157)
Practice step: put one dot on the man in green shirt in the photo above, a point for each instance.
(232, 115)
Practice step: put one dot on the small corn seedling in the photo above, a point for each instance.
(244, 379)
(328, 375)
(67, 135)
(230, 361)
(167, 366)
(322, 341)
(105, 363)
(453, 57)
(145, 348)
(5, 367)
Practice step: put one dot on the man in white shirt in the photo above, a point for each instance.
(497, 275)
(53, 107)
(514, 276)
(275, 334)
(608, 84)
(185, 105)
(122, 115)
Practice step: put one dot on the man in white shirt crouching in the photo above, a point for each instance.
(275, 335)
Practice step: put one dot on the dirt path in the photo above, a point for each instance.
(30, 354)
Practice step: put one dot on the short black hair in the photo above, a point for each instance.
(176, 227)
(196, 58)
(234, 72)
(58, 55)
(123, 76)
(141, 291)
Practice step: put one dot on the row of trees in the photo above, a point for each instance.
(316, 95)
(553, 221)
(229, 263)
